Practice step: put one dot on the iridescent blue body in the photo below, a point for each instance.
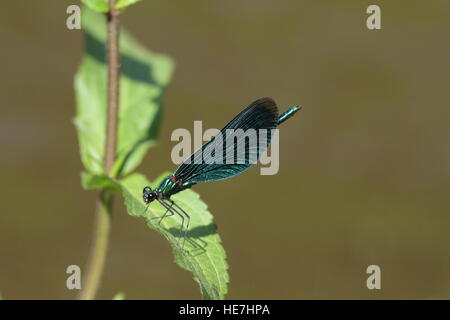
(261, 114)
(289, 113)
(170, 186)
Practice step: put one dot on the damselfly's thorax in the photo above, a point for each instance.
(175, 180)
(170, 185)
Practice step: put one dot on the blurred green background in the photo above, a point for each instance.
(365, 167)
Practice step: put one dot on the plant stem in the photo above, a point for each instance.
(113, 85)
(103, 214)
(99, 248)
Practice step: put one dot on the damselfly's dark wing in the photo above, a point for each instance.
(235, 148)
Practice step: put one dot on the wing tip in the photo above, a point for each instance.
(265, 102)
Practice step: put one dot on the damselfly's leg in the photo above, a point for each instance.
(173, 210)
(187, 216)
(164, 215)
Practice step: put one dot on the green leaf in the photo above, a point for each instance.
(125, 3)
(144, 77)
(92, 181)
(119, 296)
(97, 5)
(202, 255)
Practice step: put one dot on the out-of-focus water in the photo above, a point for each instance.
(365, 166)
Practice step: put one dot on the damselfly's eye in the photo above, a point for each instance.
(151, 196)
(147, 190)
(148, 195)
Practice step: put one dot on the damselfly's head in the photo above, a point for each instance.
(148, 195)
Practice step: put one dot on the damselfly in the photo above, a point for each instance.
(211, 162)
